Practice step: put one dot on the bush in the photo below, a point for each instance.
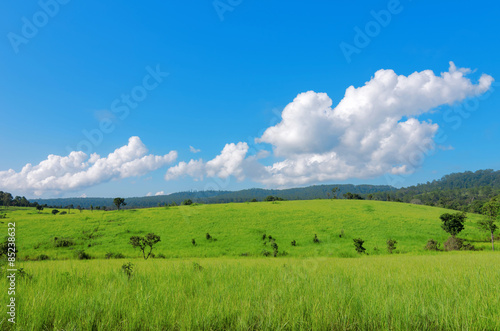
(62, 242)
(316, 240)
(187, 202)
(358, 245)
(128, 269)
(208, 236)
(55, 211)
(42, 257)
(160, 256)
(453, 244)
(82, 255)
(432, 245)
(63, 213)
(391, 245)
(294, 243)
(266, 253)
(193, 241)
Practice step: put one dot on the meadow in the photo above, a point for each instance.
(227, 284)
(452, 291)
(239, 228)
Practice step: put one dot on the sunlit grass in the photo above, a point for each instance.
(435, 292)
(239, 229)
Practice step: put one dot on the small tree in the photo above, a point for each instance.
(91, 208)
(491, 210)
(187, 202)
(358, 245)
(39, 208)
(55, 211)
(144, 242)
(334, 192)
(119, 202)
(391, 245)
(453, 223)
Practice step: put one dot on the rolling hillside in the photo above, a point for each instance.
(239, 229)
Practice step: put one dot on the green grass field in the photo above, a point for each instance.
(239, 228)
(211, 286)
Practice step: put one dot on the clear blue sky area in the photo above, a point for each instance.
(202, 80)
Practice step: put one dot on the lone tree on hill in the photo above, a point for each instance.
(491, 209)
(144, 242)
(119, 202)
(453, 223)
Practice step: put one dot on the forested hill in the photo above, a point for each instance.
(305, 193)
(466, 191)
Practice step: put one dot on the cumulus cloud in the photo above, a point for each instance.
(160, 193)
(194, 150)
(78, 170)
(374, 130)
(227, 163)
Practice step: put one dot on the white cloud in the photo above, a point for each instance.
(194, 150)
(149, 194)
(160, 193)
(226, 164)
(374, 130)
(78, 170)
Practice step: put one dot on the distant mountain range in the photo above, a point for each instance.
(466, 191)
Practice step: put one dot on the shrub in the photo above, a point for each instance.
(161, 256)
(62, 242)
(187, 202)
(266, 253)
(453, 244)
(316, 240)
(193, 241)
(294, 243)
(358, 245)
(391, 245)
(468, 247)
(128, 269)
(42, 257)
(264, 236)
(82, 255)
(63, 213)
(55, 211)
(253, 200)
(432, 245)
(208, 236)
(2, 216)
(197, 267)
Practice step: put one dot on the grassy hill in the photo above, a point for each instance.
(239, 229)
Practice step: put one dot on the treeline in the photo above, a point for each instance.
(7, 200)
(209, 197)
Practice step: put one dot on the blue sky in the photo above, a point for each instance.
(233, 66)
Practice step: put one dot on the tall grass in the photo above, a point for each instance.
(434, 292)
